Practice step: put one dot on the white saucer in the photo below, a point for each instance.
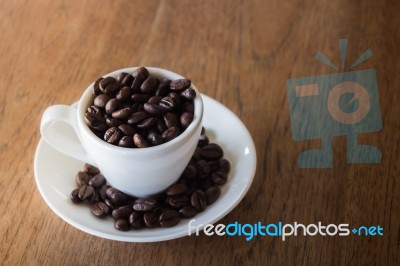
(55, 178)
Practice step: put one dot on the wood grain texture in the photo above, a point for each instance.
(238, 52)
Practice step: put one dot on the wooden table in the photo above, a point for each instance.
(239, 52)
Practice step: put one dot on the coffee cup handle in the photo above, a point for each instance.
(57, 138)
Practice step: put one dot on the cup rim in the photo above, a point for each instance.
(88, 96)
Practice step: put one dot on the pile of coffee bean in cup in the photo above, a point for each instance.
(135, 110)
(198, 187)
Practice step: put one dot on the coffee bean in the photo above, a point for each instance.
(136, 220)
(101, 100)
(97, 181)
(140, 74)
(178, 201)
(154, 109)
(105, 83)
(170, 120)
(144, 204)
(113, 135)
(224, 166)
(127, 81)
(186, 119)
(212, 194)
(203, 168)
(126, 142)
(197, 154)
(94, 110)
(122, 225)
(198, 200)
(86, 192)
(137, 117)
(110, 204)
(139, 141)
(121, 76)
(140, 98)
(205, 183)
(169, 218)
(122, 114)
(124, 94)
(75, 196)
(112, 122)
(203, 141)
(122, 212)
(155, 100)
(219, 178)
(160, 125)
(82, 179)
(176, 189)
(149, 85)
(112, 105)
(190, 171)
(163, 87)
(151, 219)
(175, 97)
(188, 212)
(90, 169)
(214, 165)
(127, 129)
(212, 152)
(170, 133)
(100, 209)
(95, 121)
(180, 84)
(147, 123)
(168, 103)
(102, 192)
(112, 88)
(116, 197)
(154, 139)
(189, 94)
(96, 88)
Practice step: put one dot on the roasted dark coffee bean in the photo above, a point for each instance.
(160, 125)
(136, 220)
(110, 204)
(224, 166)
(151, 219)
(212, 152)
(122, 114)
(116, 197)
(113, 135)
(170, 120)
(112, 88)
(174, 96)
(212, 194)
(101, 100)
(139, 141)
(154, 109)
(95, 121)
(96, 87)
(124, 94)
(203, 168)
(197, 154)
(90, 169)
(102, 192)
(188, 107)
(189, 94)
(178, 201)
(144, 204)
(179, 84)
(186, 119)
(154, 139)
(86, 192)
(122, 225)
(147, 123)
(121, 76)
(137, 117)
(219, 178)
(94, 110)
(127, 129)
(170, 133)
(97, 181)
(82, 179)
(203, 141)
(112, 105)
(105, 83)
(163, 87)
(198, 200)
(203, 130)
(168, 103)
(140, 98)
(149, 86)
(126, 142)
(75, 197)
(122, 212)
(112, 122)
(176, 189)
(214, 165)
(100, 209)
(127, 81)
(190, 171)
(140, 74)
(188, 212)
(205, 183)
(169, 218)
(155, 100)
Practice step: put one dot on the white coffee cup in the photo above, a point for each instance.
(137, 172)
